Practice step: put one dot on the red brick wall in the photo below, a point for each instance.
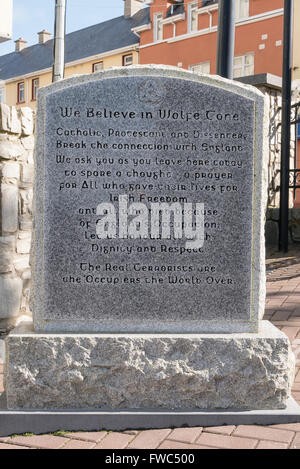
(203, 48)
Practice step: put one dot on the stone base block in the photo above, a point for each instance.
(50, 421)
(101, 371)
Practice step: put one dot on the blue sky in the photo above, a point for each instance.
(31, 16)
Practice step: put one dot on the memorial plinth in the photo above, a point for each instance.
(150, 371)
(149, 317)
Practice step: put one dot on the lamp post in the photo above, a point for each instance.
(226, 38)
(58, 71)
(286, 126)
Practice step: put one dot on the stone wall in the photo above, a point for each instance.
(16, 193)
(272, 226)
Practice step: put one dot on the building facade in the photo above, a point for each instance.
(184, 34)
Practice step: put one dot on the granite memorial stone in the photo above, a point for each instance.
(164, 141)
(149, 273)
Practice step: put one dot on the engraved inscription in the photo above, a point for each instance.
(193, 149)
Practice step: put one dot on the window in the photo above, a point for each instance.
(2, 95)
(97, 67)
(193, 17)
(127, 60)
(203, 67)
(243, 65)
(241, 9)
(298, 129)
(158, 27)
(21, 92)
(35, 87)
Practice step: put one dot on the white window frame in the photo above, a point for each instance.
(238, 8)
(19, 92)
(199, 68)
(193, 7)
(98, 66)
(157, 18)
(34, 88)
(244, 65)
(127, 60)
(2, 94)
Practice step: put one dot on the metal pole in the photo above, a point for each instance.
(286, 126)
(58, 71)
(226, 38)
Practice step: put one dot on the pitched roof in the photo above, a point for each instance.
(87, 42)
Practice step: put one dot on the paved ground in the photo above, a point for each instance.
(283, 309)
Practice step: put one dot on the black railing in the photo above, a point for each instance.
(294, 180)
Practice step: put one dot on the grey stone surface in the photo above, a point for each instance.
(208, 371)
(263, 79)
(78, 286)
(10, 294)
(40, 422)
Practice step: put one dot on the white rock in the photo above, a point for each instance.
(24, 319)
(25, 225)
(28, 142)
(7, 246)
(24, 235)
(15, 126)
(26, 201)
(10, 294)
(10, 149)
(30, 158)
(22, 263)
(7, 243)
(26, 275)
(23, 246)
(6, 265)
(11, 170)
(5, 118)
(27, 173)
(9, 208)
(26, 116)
